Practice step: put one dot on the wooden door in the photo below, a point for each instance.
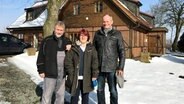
(155, 44)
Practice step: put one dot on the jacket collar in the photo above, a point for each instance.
(103, 33)
(77, 44)
(57, 38)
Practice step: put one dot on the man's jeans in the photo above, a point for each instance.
(111, 80)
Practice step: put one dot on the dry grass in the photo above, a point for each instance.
(16, 86)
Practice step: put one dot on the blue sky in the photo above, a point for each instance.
(10, 10)
(146, 4)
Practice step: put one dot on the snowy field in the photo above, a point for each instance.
(156, 82)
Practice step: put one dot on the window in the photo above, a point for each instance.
(76, 9)
(98, 6)
(29, 15)
(33, 13)
(4, 39)
(20, 36)
(73, 37)
(14, 40)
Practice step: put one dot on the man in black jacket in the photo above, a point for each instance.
(50, 64)
(110, 48)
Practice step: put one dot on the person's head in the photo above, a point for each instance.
(107, 21)
(59, 28)
(83, 36)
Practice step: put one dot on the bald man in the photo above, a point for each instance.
(110, 48)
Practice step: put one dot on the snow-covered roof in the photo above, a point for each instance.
(21, 21)
(40, 3)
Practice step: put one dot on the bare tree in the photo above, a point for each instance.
(171, 13)
(53, 8)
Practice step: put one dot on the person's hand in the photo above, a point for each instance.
(68, 47)
(94, 79)
(42, 75)
(94, 82)
(120, 72)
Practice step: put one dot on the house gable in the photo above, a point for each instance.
(88, 16)
(76, 14)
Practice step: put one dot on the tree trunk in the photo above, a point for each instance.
(178, 29)
(53, 7)
(174, 45)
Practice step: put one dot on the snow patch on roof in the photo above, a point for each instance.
(40, 3)
(21, 21)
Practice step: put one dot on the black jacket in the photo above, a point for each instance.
(47, 57)
(72, 64)
(110, 48)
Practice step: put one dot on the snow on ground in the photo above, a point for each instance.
(3, 62)
(27, 64)
(156, 82)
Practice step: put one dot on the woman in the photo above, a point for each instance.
(81, 66)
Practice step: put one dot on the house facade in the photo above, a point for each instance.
(137, 28)
(29, 26)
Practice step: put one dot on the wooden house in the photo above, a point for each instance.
(137, 28)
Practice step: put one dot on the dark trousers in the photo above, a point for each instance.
(111, 81)
(75, 98)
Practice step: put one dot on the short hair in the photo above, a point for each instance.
(60, 23)
(84, 32)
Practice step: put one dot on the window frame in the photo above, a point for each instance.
(76, 9)
(98, 7)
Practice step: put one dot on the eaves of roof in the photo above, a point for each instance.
(149, 15)
(63, 3)
(157, 29)
(28, 28)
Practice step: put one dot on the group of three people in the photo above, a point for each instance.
(84, 63)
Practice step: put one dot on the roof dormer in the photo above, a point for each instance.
(132, 5)
(34, 11)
